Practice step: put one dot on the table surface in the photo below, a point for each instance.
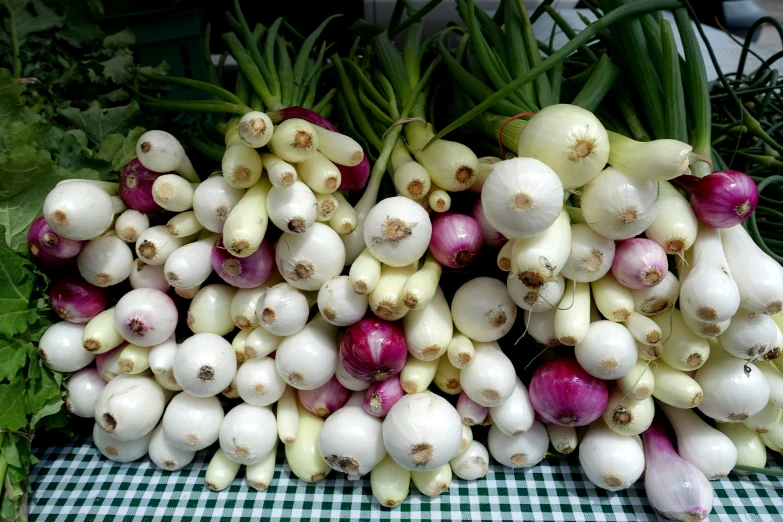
(73, 482)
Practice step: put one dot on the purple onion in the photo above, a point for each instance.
(326, 399)
(563, 393)
(675, 488)
(353, 178)
(76, 300)
(303, 114)
(381, 396)
(136, 187)
(471, 412)
(57, 245)
(456, 240)
(44, 260)
(724, 198)
(243, 272)
(373, 350)
(491, 236)
(639, 263)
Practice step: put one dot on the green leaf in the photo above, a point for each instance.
(13, 356)
(73, 149)
(119, 68)
(55, 421)
(42, 386)
(51, 407)
(11, 452)
(124, 38)
(114, 96)
(164, 69)
(16, 285)
(27, 24)
(109, 147)
(10, 95)
(22, 168)
(99, 122)
(127, 151)
(12, 414)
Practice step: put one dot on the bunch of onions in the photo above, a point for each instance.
(725, 198)
(456, 240)
(136, 187)
(639, 263)
(491, 236)
(563, 393)
(76, 300)
(243, 272)
(326, 399)
(373, 350)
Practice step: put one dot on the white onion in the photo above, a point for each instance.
(192, 423)
(302, 454)
(429, 331)
(105, 261)
(417, 375)
(659, 298)
(758, 276)
(143, 275)
(540, 258)
(675, 388)
(775, 381)
(260, 474)
(730, 395)
(682, 349)
(572, 316)
(244, 305)
(614, 301)
(750, 448)
(118, 450)
(310, 259)
(619, 206)
(145, 317)
(348, 380)
(563, 438)
(390, 482)
(292, 209)
(241, 164)
(522, 197)
(675, 225)
(461, 351)
(339, 304)
(319, 173)
(84, 388)
(750, 335)
(280, 173)
(516, 415)
(351, 441)
(255, 129)
(155, 245)
(397, 231)
(161, 360)
(184, 224)
(67, 213)
(763, 420)
(387, 299)
(130, 224)
(422, 432)
(190, 265)
(159, 151)
(591, 255)
(639, 382)
(700, 444)
(541, 327)
(433, 482)
(282, 310)
(204, 364)
(473, 464)
(545, 297)
(447, 377)
(165, 455)
(626, 415)
(611, 461)
(213, 200)
(260, 343)
(248, 433)
(60, 347)
(129, 406)
(308, 359)
(608, 351)
(483, 310)
(491, 379)
(258, 382)
(294, 140)
(172, 192)
(520, 451)
(210, 310)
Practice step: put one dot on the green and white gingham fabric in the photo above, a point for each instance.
(75, 483)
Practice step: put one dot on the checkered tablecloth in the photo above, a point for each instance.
(75, 483)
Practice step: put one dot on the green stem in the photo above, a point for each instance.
(197, 106)
(598, 85)
(543, 88)
(211, 151)
(621, 13)
(248, 66)
(352, 101)
(672, 86)
(753, 228)
(429, 6)
(208, 88)
(326, 100)
(570, 33)
(14, 42)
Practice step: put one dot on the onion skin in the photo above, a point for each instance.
(639, 263)
(326, 399)
(491, 236)
(563, 393)
(724, 198)
(354, 178)
(76, 300)
(373, 350)
(243, 272)
(381, 396)
(136, 187)
(456, 240)
(44, 260)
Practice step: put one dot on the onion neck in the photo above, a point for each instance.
(493, 123)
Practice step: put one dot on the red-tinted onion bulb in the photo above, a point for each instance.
(725, 198)
(490, 234)
(76, 300)
(326, 399)
(381, 396)
(243, 272)
(136, 187)
(563, 393)
(456, 240)
(639, 263)
(57, 245)
(373, 350)
(43, 259)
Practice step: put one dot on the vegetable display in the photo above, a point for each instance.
(371, 323)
